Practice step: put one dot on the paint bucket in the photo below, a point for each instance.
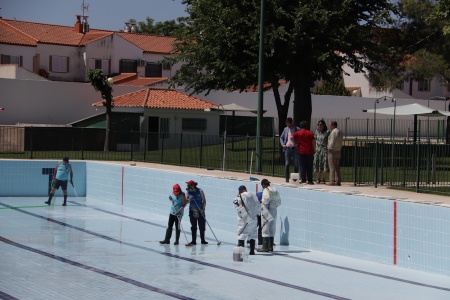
(238, 253)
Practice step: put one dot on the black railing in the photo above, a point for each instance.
(420, 166)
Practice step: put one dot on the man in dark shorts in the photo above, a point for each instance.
(61, 175)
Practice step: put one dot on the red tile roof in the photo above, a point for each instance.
(31, 33)
(266, 86)
(160, 99)
(150, 43)
(146, 81)
(134, 80)
(124, 77)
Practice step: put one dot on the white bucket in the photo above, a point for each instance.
(238, 253)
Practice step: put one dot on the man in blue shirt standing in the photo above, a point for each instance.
(61, 175)
(289, 148)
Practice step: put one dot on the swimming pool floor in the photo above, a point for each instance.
(92, 249)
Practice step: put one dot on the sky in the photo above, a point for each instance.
(103, 14)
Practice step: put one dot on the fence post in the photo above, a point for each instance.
(382, 162)
(82, 141)
(31, 142)
(145, 142)
(404, 164)
(181, 144)
(201, 149)
(131, 145)
(162, 149)
(375, 164)
(433, 168)
(428, 162)
(355, 162)
(367, 129)
(418, 168)
(273, 156)
(246, 154)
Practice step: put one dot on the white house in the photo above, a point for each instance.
(65, 53)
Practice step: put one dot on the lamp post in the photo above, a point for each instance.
(260, 92)
(375, 113)
(375, 116)
(392, 142)
(224, 137)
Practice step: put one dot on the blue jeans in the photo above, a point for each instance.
(288, 154)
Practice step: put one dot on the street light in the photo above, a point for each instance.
(375, 113)
(392, 141)
(260, 91)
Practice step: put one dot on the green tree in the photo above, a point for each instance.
(304, 41)
(421, 47)
(166, 28)
(333, 86)
(101, 84)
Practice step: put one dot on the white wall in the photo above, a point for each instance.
(26, 52)
(15, 72)
(323, 106)
(77, 68)
(124, 50)
(47, 102)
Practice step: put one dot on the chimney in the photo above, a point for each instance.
(78, 28)
(127, 27)
(85, 24)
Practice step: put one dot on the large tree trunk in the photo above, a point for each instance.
(302, 102)
(282, 108)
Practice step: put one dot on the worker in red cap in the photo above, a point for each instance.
(179, 201)
(197, 206)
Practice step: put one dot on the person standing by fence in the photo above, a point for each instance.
(305, 140)
(289, 148)
(335, 141)
(321, 156)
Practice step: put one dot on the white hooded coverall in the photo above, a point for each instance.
(268, 203)
(252, 207)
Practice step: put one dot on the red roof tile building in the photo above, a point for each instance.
(65, 53)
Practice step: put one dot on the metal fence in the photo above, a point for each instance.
(419, 166)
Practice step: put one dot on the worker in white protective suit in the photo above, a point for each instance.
(269, 203)
(248, 207)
